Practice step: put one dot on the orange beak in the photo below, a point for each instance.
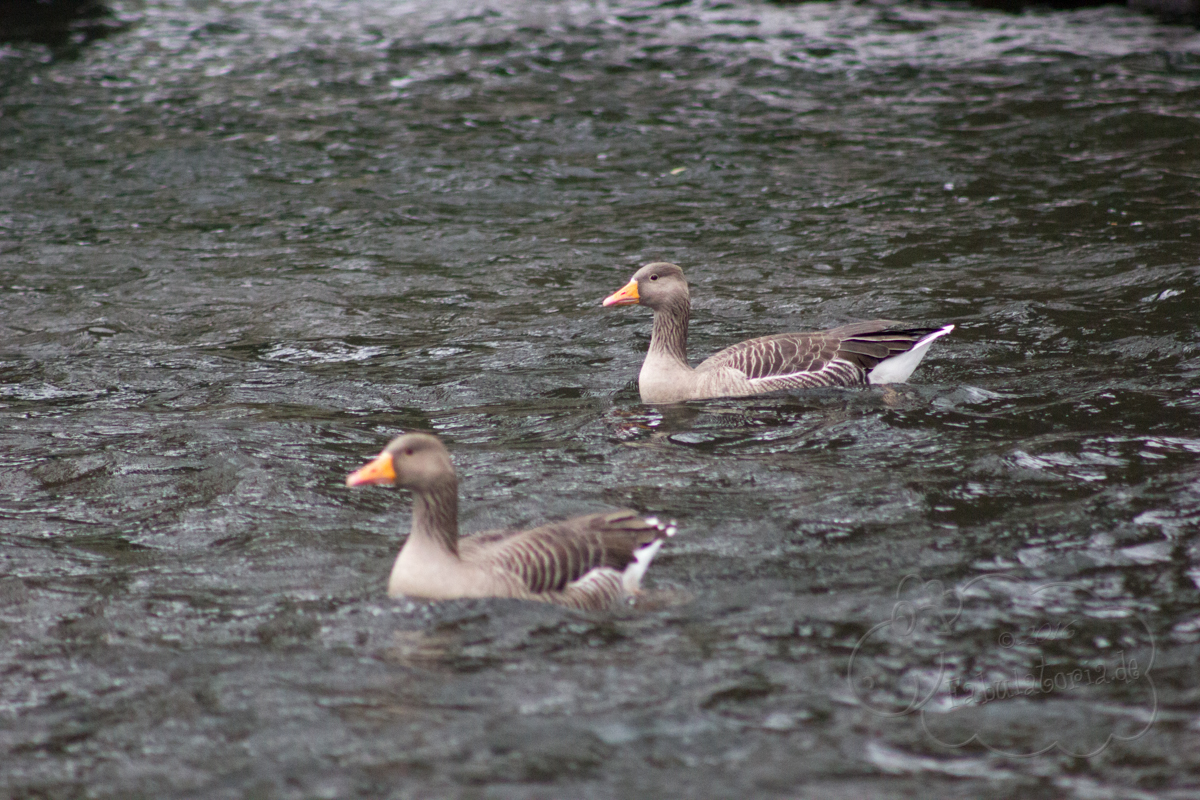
(627, 295)
(381, 470)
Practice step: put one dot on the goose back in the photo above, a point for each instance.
(840, 356)
(564, 561)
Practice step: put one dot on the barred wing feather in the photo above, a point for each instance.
(836, 357)
(551, 557)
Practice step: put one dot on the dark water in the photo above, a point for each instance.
(242, 245)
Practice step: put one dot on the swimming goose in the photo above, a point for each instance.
(880, 351)
(586, 562)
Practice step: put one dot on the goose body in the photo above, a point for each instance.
(879, 351)
(587, 562)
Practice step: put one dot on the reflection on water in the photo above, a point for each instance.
(240, 248)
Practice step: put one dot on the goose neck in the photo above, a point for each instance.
(435, 515)
(669, 337)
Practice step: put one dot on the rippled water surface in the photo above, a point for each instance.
(243, 244)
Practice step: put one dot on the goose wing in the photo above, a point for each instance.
(836, 357)
(551, 557)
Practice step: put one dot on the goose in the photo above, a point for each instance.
(879, 351)
(590, 562)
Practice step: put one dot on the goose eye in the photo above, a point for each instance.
(653, 277)
(408, 451)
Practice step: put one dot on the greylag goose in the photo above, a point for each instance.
(586, 562)
(880, 351)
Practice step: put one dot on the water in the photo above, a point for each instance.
(242, 245)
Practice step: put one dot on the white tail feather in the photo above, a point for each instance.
(897, 368)
(632, 577)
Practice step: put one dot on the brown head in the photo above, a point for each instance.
(659, 285)
(415, 461)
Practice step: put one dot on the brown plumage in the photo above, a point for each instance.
(880, 351)
(589, 562)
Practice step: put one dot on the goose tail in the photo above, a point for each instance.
(897, 368)
(631, 579)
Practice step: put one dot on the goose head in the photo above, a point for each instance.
(414, 461)
(658, 285)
